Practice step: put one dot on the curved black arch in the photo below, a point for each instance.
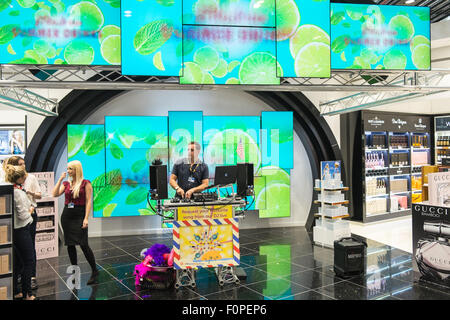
(78, 105)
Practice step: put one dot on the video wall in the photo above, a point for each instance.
(116, 156)
(228, 42)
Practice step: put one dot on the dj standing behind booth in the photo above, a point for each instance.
(74, 219)
(190, 174)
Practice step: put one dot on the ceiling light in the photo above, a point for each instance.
(410, 1)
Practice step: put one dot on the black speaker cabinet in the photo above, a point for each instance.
(158, 182)
(349, 256)
(244, 178)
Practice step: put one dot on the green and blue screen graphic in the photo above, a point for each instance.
(116, 156)
(380, 37)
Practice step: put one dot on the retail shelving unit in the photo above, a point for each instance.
(385, 152)
(329, 225)
(442, 139)
(6, 240)
(47, 224)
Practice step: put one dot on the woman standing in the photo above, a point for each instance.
(74, 219)
(23, 246)
(33, 191)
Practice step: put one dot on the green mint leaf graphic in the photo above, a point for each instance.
(137, 196)
(106, 187)
(9, 32)
(152, 36)
(94, 142)
(139, 165)
(340, 43)
(116, 151)
(337, 17)
(4, 4)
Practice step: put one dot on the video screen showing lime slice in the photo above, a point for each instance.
(380, 37)
(277, 139)
(151, 41)
(244, 13)
(60, 32)
(303, 38)
(86, 143)
(229, 55)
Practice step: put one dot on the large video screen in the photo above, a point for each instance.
(229, 55)
(303, 38)
(116, 156)
(380, 37)
(151, 38)
(60, 32)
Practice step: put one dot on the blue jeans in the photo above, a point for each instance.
(23, 259)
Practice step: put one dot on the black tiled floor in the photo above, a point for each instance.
(279, 263)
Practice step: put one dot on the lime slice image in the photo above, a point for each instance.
(259, 68)
(41, 47)
(232, 81)
(403, 27)
(354, 12)
(107, 31)
(10, 49)
(79, 52)
(90, 16)
(157, 61)
(205, 9)
(361, 63)
(287, 18)
(76, 137)
(110, 49)
(221, 70)
(223, 148)
(417, 40)
(232, 65)
(313, 60)
(206, 58)
(191, 73)
(421, 56)
(306, 34)
(207, 78)
(275, 174)
(26, 3)
(395, 59)
(277, 201)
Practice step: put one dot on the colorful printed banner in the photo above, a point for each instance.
(206, 243)
(205, 212)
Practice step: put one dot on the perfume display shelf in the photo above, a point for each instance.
(6, 241)
(329, 225)
(442, 139)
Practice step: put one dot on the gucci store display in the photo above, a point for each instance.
(47, 224)
(431, 243)
(394, 148)
(439, 188)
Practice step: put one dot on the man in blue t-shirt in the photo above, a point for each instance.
(189, 174)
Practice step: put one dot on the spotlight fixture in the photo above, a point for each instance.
(409, 1)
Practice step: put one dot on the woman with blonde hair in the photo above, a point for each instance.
(23, 245)
(74, 219)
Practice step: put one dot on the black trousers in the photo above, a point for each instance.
(24, 255)
(33, 240)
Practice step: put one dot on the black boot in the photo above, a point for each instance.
(93, 278)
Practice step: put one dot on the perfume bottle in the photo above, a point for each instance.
(433, 254)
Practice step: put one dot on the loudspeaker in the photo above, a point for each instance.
(244, 178)
(349, 257)
(158, 182)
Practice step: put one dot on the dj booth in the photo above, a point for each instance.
(206, 227)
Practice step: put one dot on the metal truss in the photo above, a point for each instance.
(419, 83)
(372, 86)
(27, 101)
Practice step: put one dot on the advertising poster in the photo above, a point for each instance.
(330, 170)
(431, 250)
(380, 37)
(4, 142)
(60, 32)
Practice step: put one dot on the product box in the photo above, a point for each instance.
(399, 185)
(439, 188)
(431, 249)
(3, 293)
(3, 205)
(427, 170)
(4, 264)
(3, 234)
(416, 197)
